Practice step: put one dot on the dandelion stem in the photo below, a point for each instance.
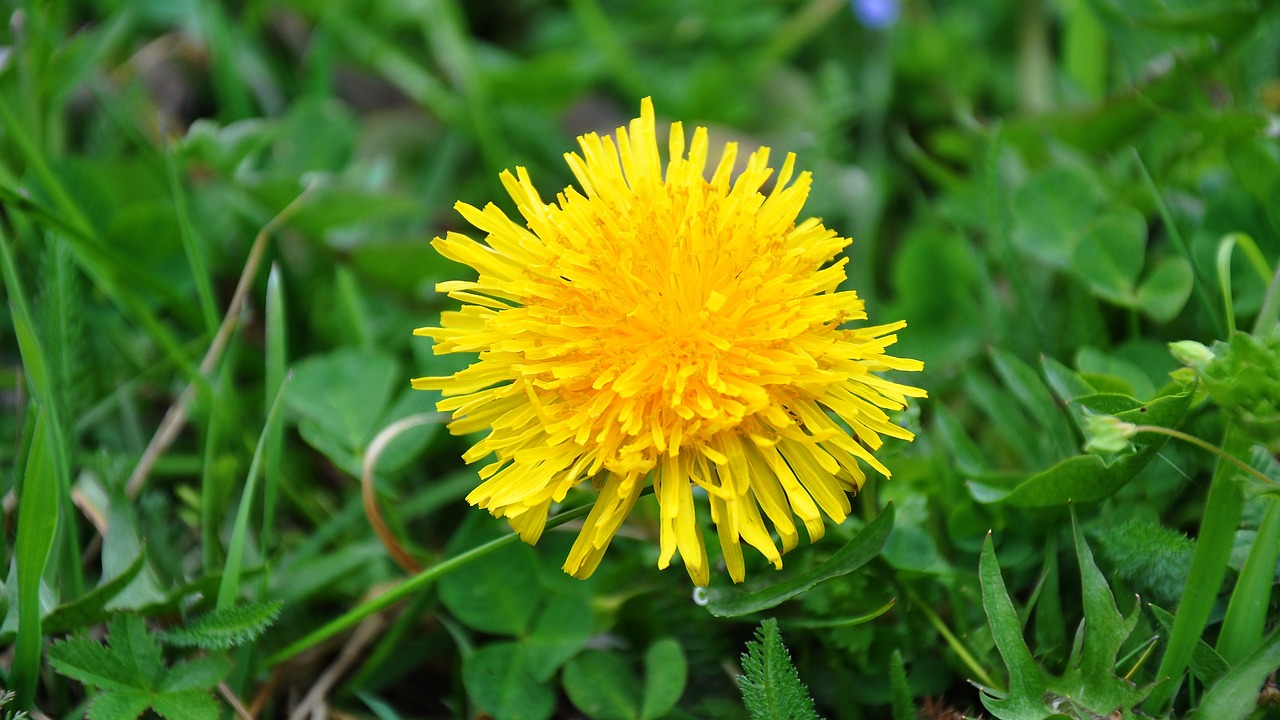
(1177, 435)
(410, 586)
(956, 644)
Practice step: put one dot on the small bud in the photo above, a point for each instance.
(1107, 434)
(1191, 353)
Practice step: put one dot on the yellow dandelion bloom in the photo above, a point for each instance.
(665, 328)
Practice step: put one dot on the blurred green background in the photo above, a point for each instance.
(1038, 188)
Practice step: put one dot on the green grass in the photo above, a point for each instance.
(214, 233)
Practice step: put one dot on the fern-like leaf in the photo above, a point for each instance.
(771, 687)
(226, 628)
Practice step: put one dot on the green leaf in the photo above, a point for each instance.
(903, 707)
(37, 521)
(1088, 478)
(497, 680)
(561, 631)
(665, 675)
(1206, 663)
(1247, 612)
(343, 393)
(186, 705)
(92, 608)
(201, 673)
(121, 547)
(1165, 290)
(725, 602)
(123, 704)
(91, 663)
(1090, 680)
(136, 649)
(1027, 681)
(226, 628)
(1051, 208)
(1236, 693)
(771, 687)
(1110, 255)
(492, 594)
(1021, 379)
(602, 686)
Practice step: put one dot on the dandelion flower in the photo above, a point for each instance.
(653, 326)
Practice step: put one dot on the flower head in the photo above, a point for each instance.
(659, 326)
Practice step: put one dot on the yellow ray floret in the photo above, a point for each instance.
(655, 326)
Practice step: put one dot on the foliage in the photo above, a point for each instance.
(130, 672)
(210, 210)
(771, 687)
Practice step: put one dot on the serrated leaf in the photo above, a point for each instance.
(1090, 680)
(770, 685)
(903, 708)
(725, 602)
(91, 663)
(135, 648)
(665, 675)
(199, 673)
(122, 704)
(187, 705)
(1027, 681)
(226, 628)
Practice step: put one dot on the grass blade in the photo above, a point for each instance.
(1247, 612)
(1222, 512)
(37, 521)
(235, 553)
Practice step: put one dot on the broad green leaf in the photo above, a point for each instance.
(1051, 209)
(561, 631)
(496, 594)
(1109, 257)
(601, 686)
(499, 683)
(343, 393)
(665, 675)
(1087, 478)
(1027, 681)
(121, 547)
(725, 602)
(1164, 291)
